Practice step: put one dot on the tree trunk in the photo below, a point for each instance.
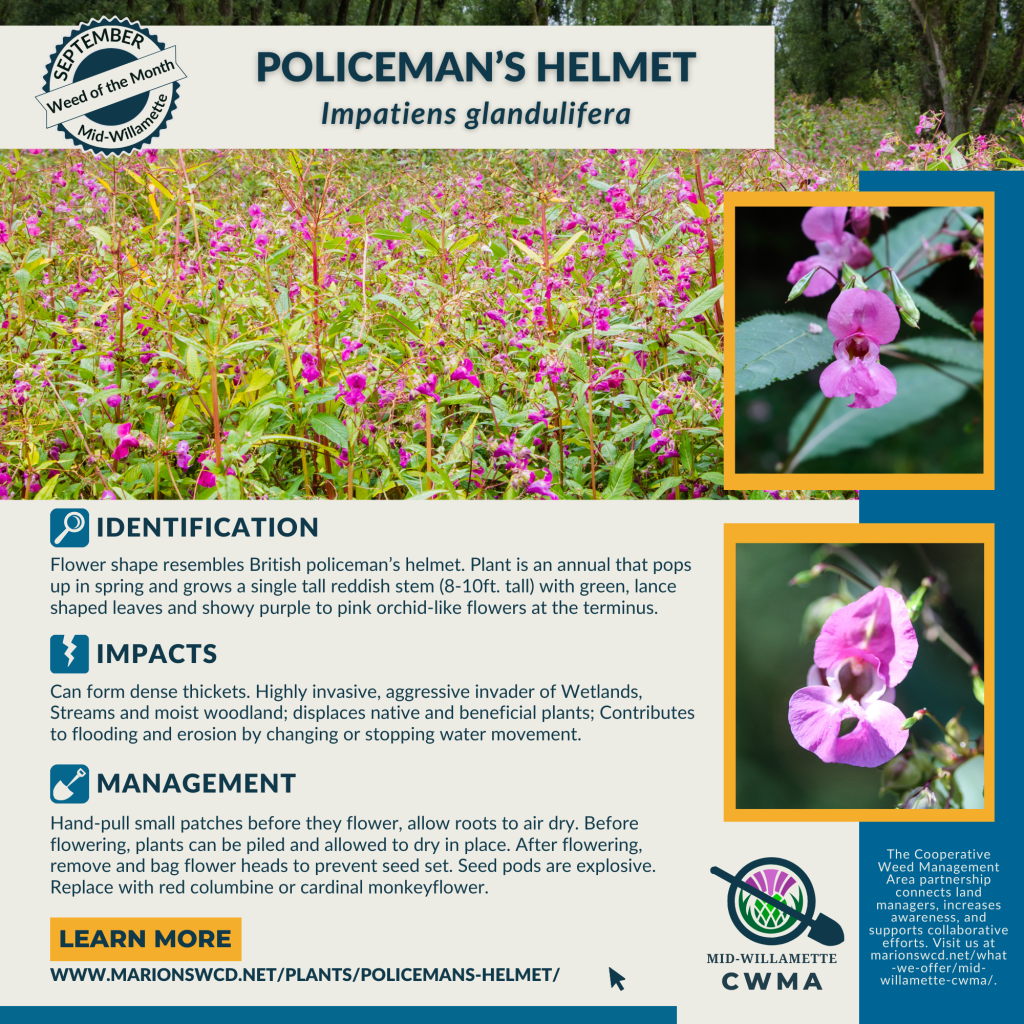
(1001, 93)
(224, 11)
(981, 51)
(177, 8)
(342, 18)
(418, 16)
(373, 12)
(385, 14)
(930, 14)
(766, 12)
(401, 13)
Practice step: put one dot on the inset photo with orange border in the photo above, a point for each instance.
(858, 672)
(859, 340)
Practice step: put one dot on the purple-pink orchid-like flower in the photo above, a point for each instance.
(507, 448)
(541, 487)
(861, 322)
(206, 477)
(428, 388)
(310, 367)
(356, 394)
(183, 457)
(464, 371)
(862, 653)
(659, 408)
(824, 225)
(127, 442)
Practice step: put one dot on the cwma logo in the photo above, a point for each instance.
(760, 982)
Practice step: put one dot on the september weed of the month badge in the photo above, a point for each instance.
(111, 86)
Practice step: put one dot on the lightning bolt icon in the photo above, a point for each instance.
(69, 647)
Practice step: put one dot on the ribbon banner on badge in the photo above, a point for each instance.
(111, 86)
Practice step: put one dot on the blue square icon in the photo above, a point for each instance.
(69, 527)
(69, 784)
(69, 653)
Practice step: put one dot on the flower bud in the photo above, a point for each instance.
(905, 771)
(922, 799)
(817, 614)
(798, 289)
(908, 310)
(852, 278)
(860, 220)
(802, 579)
(916, 600)
(957, 734)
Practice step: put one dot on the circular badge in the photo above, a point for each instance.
(784, 885)
(111, 86)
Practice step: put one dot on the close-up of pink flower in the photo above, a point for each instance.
(825, 226)
(127, 442)
(863, 651)
(861, 322)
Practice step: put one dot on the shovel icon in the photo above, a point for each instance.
(823, 928)
(62, 791)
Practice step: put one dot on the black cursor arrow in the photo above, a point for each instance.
(617, 979)
(823, 928)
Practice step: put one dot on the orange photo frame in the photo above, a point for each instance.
(984, 480)
(855, 533)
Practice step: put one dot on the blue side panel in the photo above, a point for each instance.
(960, 965)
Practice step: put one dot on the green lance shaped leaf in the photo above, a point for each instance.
(921, 393)
(801, 286)
(904, 303)
(852, 279)
(777, 346)
(952, 351)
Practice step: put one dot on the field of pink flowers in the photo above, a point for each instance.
(378, 324)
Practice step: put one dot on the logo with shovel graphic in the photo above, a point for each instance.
(771, 901)
(69, 784)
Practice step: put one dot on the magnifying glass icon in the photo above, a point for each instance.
(74, 522)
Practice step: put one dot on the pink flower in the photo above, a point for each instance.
(823, 225)
(310, 367)
(860, 220)
(113, 400)
(427, 388)
(861, 321)
(108, 495)
(355, 396)
(978, 321)
(127, 442)
(863, 651)
(541, 487)
(465, 372)
(507, 448)
(206, 477)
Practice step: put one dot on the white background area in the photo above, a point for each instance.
(657, 929)
(727, 102)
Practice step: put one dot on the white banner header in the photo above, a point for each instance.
(437, 87)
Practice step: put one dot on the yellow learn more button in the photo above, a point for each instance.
(146, 938)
